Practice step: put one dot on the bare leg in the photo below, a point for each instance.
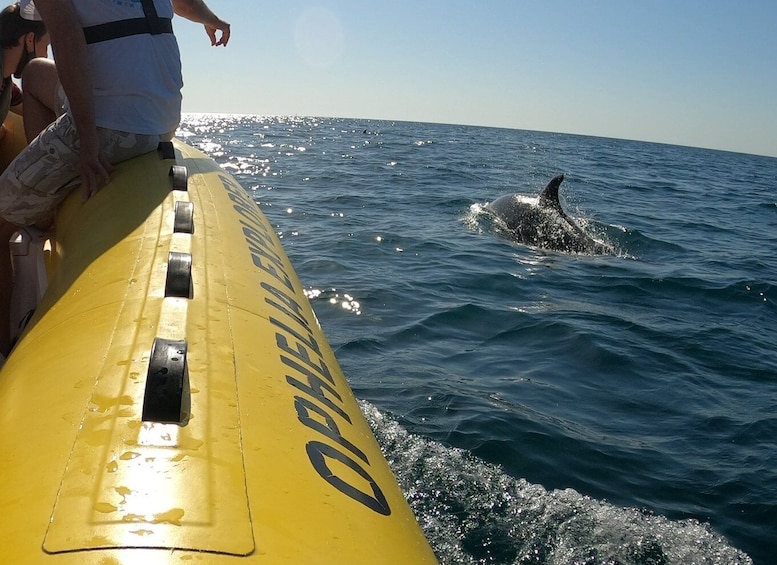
(6, 286)
(40, 82)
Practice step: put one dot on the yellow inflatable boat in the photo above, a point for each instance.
(173, 398)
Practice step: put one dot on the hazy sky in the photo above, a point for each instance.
(700, 73)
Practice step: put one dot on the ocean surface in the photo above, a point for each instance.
(541, 407)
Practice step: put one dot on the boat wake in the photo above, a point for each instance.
(473, 512)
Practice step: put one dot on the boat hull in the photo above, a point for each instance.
(252, 448)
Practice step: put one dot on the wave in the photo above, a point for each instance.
(472, 512)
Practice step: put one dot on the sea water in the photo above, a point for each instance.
(541, 407)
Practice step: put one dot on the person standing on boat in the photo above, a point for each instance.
(119, 66)
(22, 39)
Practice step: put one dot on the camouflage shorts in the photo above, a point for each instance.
(40, 178)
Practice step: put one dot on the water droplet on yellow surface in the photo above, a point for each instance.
(105, 507)
(172, 516)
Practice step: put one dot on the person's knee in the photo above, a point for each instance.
(40, 79)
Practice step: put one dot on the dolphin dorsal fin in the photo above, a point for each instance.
(549, 194)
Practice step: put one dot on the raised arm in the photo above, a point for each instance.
(198, 12)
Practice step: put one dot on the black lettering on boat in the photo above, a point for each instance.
(257, 234)
(233, 187)
(262, 253)
(343, 467)
(301, 353)
(243, 205)
(257, 240)
(287, 305)
(322, 456)
(315, 387)
(231, 184)
(309, 342)
(259, 226)
(326, 426)
(260, 245)
(247, 210)
(281, 277)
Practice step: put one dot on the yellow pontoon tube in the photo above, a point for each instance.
(174, 400)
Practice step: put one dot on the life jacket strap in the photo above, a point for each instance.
(151, 24)
(125, 28)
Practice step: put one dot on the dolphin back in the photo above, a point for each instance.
(512, 211)
(544, 224)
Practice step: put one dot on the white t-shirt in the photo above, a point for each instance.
(137, 79)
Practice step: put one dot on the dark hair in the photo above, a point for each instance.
(13, 26)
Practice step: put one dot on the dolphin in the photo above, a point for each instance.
(544, 223)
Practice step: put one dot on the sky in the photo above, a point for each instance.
(701, 73)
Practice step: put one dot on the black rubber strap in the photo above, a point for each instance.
(151, 24)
